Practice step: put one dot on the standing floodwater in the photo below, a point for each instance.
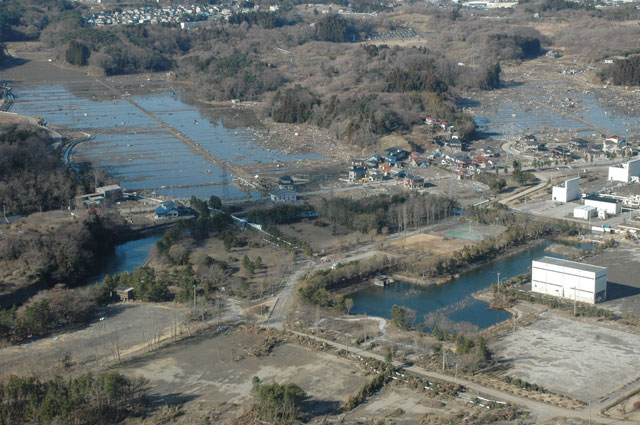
(133, 139)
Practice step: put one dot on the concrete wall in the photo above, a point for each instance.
(619, 174)
(567, 192)
(624, 172)
(567, 282)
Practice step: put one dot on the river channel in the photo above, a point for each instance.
(452, 299)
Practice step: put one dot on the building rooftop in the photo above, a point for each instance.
(572, 264)
(602, 199)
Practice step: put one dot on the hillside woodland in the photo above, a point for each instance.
(308, 67)
(33, 176)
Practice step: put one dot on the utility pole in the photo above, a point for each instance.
(443, 356)
(194, 296)
(574, 301)
(498, 282)
(514, 326)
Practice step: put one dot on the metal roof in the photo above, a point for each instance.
(602, 199)
(571, 264)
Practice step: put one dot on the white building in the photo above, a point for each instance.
(569, 279)
(585, 212)
(283, 196)
(609, 206)
(624, 172)
(566, 192)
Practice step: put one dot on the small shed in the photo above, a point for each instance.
(124, 293)
(585, 212)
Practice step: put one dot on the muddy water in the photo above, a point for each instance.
(139, 150)
(518, 112)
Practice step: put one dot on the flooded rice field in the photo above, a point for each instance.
(134, 137)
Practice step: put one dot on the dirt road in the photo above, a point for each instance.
(541, 411)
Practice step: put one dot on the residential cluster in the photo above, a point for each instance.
(187, 15)
(574, 148)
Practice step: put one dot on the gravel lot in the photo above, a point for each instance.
(578, 359)
(623, 286)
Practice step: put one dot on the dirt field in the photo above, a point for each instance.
(386, 403)
(399, 404)
(578, 359)
(429, 244)
(214, 373)
(128, 326)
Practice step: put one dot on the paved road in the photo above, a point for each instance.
(540, 410)
(547, 175)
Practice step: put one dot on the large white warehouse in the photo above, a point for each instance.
(567, 192)
(624, 172)
(569, 279)
(609, 205)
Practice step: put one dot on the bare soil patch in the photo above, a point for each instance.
(429, 244)
(214, 373)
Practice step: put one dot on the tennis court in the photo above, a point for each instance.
(462, 232)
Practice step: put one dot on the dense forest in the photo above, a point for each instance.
(33, 176)
(106, 398)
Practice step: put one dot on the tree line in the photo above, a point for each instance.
(317, 288)
(382, 213)
(279, 214)
(268, 20)
(48, 310)
(626, 72)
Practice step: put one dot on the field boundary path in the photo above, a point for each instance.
(179, 135)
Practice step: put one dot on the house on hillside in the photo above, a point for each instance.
(417, 160)
(414, 182)
(283, 196)
(613, 143)
(124, 293)
(356, 173)
(112, 191)
(397, 153)
(171, 209)
(285, 182)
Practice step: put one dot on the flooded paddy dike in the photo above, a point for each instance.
(158, 140)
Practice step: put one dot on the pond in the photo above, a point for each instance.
(452, 299)
(126, 258)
